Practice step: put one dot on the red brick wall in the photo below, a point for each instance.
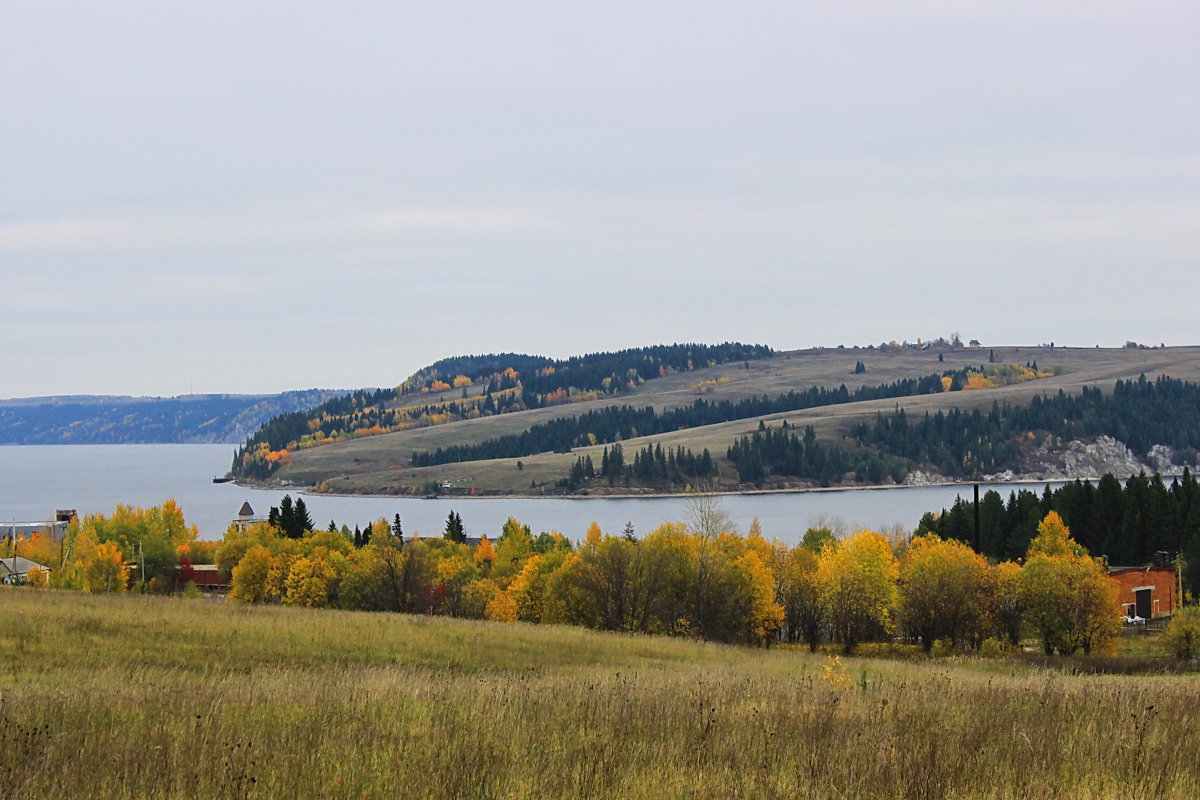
(1162, 596)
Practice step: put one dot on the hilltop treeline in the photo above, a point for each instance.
(606, 372)
(785, 453)
(1127, 523)
(608, 425)
(510, 382)
(958, 443)
(652, 465)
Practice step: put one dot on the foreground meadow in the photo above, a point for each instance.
(141, 697)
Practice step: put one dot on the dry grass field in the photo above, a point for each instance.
(379, 464)
(140, 697)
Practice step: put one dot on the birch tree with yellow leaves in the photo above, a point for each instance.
(1066, 594)
(857, 579)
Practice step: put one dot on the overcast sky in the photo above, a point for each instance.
(273, 194)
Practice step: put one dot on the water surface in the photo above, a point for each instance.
(36, 480)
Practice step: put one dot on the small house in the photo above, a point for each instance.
(245, 517)
(15, 569)
(208, 578)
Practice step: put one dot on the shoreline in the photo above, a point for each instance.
(305, 491)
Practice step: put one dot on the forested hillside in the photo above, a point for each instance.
(188, 419)
(1140, 413)
(615, 424)
(480, 425)
(479, 386)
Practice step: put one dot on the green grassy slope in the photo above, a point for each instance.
(164, 698)
(380, 464)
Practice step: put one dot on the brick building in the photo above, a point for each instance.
(1146, 592)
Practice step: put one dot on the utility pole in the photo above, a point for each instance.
(13, 534)
(977, 538)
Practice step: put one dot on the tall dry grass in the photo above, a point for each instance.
(151, 698)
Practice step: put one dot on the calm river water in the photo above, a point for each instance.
(36, 480)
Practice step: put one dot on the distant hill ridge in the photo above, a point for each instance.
(468, 387)
(186, 419)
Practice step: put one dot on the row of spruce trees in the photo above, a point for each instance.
(783, 452)
(1128, 523)
(652, 465)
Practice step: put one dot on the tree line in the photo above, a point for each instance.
(652, 465)
(698, 578)
(613, 424)
(1140, 413)
(1127, 523)
(782, 452)
(701, 579)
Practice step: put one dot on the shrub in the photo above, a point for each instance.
(942, 647)
(1182, 636)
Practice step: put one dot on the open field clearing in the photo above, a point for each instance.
(155, 698)
(380, 464)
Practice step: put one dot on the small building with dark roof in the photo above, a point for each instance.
(15, 569)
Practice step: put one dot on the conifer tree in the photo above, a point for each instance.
(454, 528)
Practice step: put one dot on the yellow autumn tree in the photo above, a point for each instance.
(485, 556)
(593, 536)
(1066, 595)
(308, 582)
(37, 578)
(799, 594)
(530, 588)
(277, 575)
(1054, 539)
(476, 597)
(250, 576)
(456, 569)
(502, 607)
(1007, 610)
(39, 547)
(102, 569)
(513, 547)
(944, 590)
(857, 579)
(763, 615)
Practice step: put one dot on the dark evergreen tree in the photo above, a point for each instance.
(455, 531)
(290, 518)
(303, 521)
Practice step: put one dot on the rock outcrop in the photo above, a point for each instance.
(1089, 459)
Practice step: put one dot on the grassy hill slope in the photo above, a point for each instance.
(380, 464)
(168, 698)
